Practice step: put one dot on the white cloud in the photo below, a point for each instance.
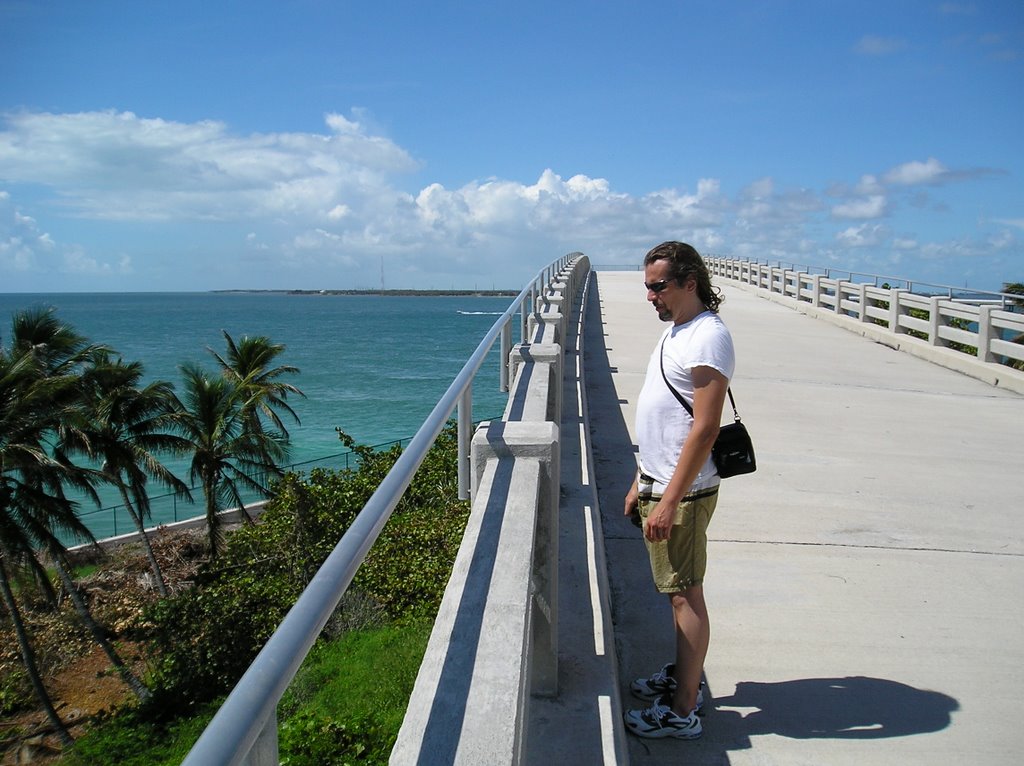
(931, 171)
(761, 204)
(875, 45)
(117, 166)
(340, 125)
(874, 206)
(327, 206)
(1002, 240)
(865, 235)
(962, 9)
(15, 255)
(21, 240)
(1017, 223)
(868, 184)
(27, 249)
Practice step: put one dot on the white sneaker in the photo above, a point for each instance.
(659, 720)
(662, 683)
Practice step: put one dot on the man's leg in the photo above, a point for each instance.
(693, 633)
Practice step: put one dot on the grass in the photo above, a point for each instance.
(362, 673)
(345, 705)
(126, 740)
(79, 572)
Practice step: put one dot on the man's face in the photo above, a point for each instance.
(662, 290)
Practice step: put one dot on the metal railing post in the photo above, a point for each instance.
(523, 321)
(265, 750)
(465, 436)
(505, 349)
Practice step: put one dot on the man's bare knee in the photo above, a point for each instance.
(692, 596)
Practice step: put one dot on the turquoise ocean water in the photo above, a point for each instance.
(372, 365)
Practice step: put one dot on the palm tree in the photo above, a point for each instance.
(249, 366)
(25, 413)
(227, 457)
(55, 347)
(129, 426)
(44, 419)
(1015, 288)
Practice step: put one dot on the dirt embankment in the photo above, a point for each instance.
(76, 672)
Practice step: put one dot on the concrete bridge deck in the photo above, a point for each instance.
(865, 585)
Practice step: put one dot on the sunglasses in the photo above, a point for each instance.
(657, 287)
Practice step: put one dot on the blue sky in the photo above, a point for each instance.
(276, 145)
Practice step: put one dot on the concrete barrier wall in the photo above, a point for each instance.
(495, 639)
(922, 325)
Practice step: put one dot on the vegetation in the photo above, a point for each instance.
(1012, 288)
(1016, 288)
(44, 416)
(270, 563)
(132, 426)
(75, 416)
(348, 701)
(345, 706)
(370, 650)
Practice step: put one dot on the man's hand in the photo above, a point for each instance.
(632, 504)
(658, 525)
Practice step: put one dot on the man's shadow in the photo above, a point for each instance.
(855, 707)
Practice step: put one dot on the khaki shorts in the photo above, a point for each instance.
(681, 561)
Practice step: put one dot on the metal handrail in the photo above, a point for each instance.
(252, 703)
(1006, 300)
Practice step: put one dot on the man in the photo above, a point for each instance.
(676, 488)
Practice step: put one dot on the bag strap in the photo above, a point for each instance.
(679, 396)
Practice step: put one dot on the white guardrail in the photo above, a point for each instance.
(975, 333)
(495, 639)
(244, 730)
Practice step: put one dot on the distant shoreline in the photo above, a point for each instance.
(455, 293)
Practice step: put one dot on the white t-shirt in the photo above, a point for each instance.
(662, 424)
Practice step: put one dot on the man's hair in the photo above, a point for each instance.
(685, 262)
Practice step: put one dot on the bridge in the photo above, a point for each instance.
(864, 584)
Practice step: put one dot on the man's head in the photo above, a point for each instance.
(679, 263)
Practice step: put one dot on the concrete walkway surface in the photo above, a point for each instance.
(865, 585)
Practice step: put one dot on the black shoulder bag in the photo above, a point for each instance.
(733, 452)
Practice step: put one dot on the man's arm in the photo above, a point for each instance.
(709, 389)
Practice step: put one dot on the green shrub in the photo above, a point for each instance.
(15, 689)
(313, 739)
(204, 639)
